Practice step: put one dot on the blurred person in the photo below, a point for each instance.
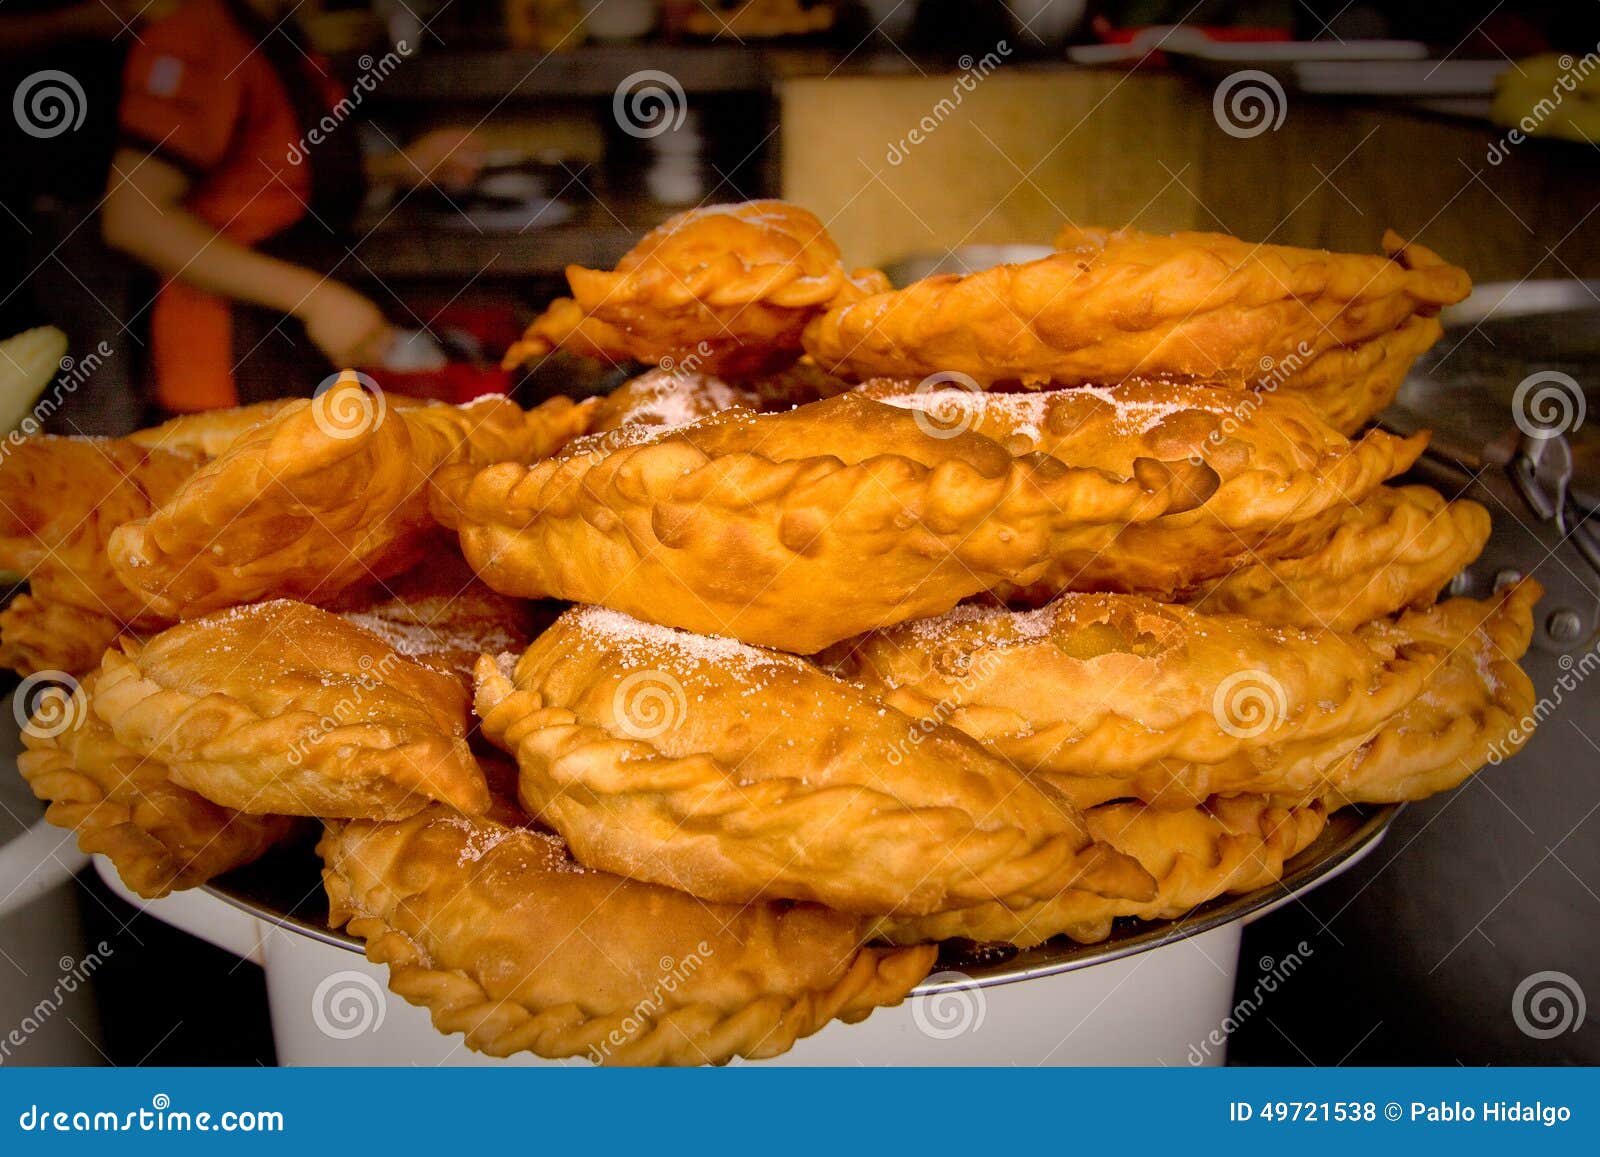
(220, 186)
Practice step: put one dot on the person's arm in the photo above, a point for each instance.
(449, 157)
(144, 217)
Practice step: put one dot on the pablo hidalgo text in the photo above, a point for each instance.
(1492, 1112)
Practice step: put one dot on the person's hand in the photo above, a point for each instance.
(452, 157)
(347, 327)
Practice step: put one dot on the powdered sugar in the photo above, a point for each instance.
(641, 644)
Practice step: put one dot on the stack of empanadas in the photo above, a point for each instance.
(998, 608)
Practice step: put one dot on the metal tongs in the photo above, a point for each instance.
(1540, 467)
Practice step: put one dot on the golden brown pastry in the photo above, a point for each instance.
(210, 432)
(1286, 476)
(501, 935)
(441, 614)
(1229, 844)
(331, 492)
(740, 775)
(1349, 385)
(60, 501)
(1395, 549)
(670, 398)
(286, 709)
(1111, 696)
(43, 636)
(1108, 696)
(1478, 706)
(722, 289)
(121, 805)
(798, 529)
(1115, 305)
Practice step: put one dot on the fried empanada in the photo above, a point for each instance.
(160, 837)
(1230, 844)
(442, 614)
(501, 935)
(796, 530)
(1478, 707)
(723, 288)
(1115, 305)
(44, 636)
(741, 775)
(1111, 696)
(331, 492)
(1395, 549)
(1349, 385)
(1286, 476)
(286, 709)
(673, 398)
(209, 432)
(61, 499)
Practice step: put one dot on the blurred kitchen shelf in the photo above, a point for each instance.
(593, 71)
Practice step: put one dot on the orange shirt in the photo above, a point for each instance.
(200, 94)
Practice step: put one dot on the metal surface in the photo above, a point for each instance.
(285, 891)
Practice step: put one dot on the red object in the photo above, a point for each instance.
(1247, 34)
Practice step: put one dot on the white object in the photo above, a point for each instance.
(1166, 1005)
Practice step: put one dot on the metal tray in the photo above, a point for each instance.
(285, 889)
